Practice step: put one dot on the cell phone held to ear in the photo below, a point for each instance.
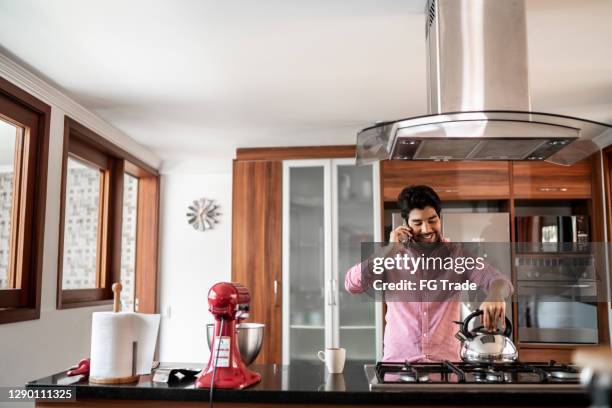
(404, 238)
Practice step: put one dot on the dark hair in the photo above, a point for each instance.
(418, 197)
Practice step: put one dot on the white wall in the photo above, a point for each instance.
(36, 348)
(191, 261)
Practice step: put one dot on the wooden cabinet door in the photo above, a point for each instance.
(451, 180)
(545, 180)
(256, 246)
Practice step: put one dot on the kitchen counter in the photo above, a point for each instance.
(300, 384)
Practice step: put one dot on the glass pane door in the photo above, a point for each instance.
(354, 223)
(305, 262)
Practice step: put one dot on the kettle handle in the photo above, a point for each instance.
(466, 322)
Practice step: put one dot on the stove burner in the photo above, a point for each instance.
(448, 372)
(488, 375)
(565, 375)
(410, 377)
(409, 374)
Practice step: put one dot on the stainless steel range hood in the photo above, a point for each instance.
(478, 99)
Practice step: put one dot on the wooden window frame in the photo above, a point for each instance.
(111, 188)
(147, 238)
(607, 196)
(29, 198)
(85, 145)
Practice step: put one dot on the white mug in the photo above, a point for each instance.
(333, 358)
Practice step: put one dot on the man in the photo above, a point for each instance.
(424, 331)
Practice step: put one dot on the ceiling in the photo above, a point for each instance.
(196, 79)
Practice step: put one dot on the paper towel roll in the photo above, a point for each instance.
(112, 339)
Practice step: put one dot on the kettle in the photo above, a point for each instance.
(482, 346)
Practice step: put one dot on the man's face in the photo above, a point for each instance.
(425, 224)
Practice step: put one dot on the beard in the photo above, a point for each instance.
(427, 245)
(430, 237)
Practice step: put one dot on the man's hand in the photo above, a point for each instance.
(401, 234)
(494, 314)
(494, 307)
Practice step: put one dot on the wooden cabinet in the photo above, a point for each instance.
(451, 180)
(544, 180)
(258, 204)
(257, 232)
(256, 246)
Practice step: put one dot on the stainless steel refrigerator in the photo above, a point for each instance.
(493, 231)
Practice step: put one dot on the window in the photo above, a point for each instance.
(140, 236)
(102, 204)
(82, 225)
(128, 242)
(24, 135)
(8, 138)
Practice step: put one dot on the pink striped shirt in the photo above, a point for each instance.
(422, 331)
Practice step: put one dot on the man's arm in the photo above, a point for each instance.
(360, 277)
(498, 288)
(355, 281)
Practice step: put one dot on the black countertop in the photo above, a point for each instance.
(309, 383)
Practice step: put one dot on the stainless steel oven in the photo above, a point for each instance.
(549, 313)
(552, 233)
(556, 280)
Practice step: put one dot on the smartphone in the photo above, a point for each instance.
(405, 241)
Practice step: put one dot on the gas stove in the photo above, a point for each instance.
(453, 375)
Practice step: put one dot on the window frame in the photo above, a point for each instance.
(29, 198)
(147, 238)
(85, 145)
(77, 148)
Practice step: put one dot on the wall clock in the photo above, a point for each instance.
(202, 214)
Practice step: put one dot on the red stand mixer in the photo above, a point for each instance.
(228, 302)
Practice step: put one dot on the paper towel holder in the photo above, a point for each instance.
(120, 380)
(117, 287)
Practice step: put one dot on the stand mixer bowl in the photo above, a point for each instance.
(250, 339)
